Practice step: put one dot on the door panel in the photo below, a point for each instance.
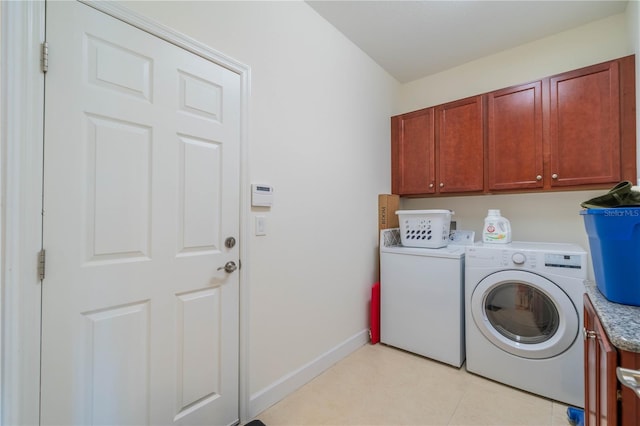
(460, 146)
(413, 153)
(600, 361)
(117, 381)
(584, 126)
(118, 189)
(514, 122)
(199, 195)
(141, 189)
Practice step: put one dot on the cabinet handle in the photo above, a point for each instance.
(539, 178)
(588, 334)
(554, 176)
(441, 184)
(431, 185)
(629, 378)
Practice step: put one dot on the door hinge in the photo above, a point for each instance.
(42, 257)
(44, 57)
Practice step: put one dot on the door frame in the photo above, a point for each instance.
(22, 85)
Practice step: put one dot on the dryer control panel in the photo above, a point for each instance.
(558, 260)
(567, 260)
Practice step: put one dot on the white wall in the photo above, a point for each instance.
(586, 45)
(319, 133)
(550, 217)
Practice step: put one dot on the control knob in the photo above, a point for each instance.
(518, 258)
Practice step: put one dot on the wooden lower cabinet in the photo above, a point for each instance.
(600, 361)
(629, 401)
(607, 402)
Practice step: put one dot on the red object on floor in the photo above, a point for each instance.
(374, 325)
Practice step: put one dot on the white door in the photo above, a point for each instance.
(141, 189)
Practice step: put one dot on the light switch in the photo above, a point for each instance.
(261, 225)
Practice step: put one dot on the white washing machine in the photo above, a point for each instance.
(422, 299)
(524, 316)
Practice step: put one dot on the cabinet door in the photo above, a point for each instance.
(600, 360)
(460, 146)
(514, 122)
(584, 126)
(412, 153)
(630, 404)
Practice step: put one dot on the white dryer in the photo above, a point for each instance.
(422, 299)
(524, 313)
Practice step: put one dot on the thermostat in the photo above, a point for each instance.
(261, 195)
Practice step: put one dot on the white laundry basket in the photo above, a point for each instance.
(424, 228)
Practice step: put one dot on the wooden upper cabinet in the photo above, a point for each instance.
(584, 126)
(460, 146)
(438, 150)
(413, 153)
(575, 130)
(514, 142)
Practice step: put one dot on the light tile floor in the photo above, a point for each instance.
(381, 385)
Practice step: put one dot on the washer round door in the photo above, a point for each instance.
(524, 314)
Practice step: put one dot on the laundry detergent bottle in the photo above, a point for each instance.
(497, 229)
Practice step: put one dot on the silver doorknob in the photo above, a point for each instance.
(230, 242)
(229, 267)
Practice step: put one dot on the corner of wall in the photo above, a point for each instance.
(294, 380)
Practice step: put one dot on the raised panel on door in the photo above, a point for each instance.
(584, 126)
(514, 122)
(460, 146)
(116, 380)
(412, 154)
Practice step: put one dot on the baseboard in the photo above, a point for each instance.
(291, 382)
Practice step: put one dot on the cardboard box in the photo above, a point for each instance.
(387, 206)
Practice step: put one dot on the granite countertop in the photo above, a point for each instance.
(621, 322)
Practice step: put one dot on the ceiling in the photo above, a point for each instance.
(413, 39)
